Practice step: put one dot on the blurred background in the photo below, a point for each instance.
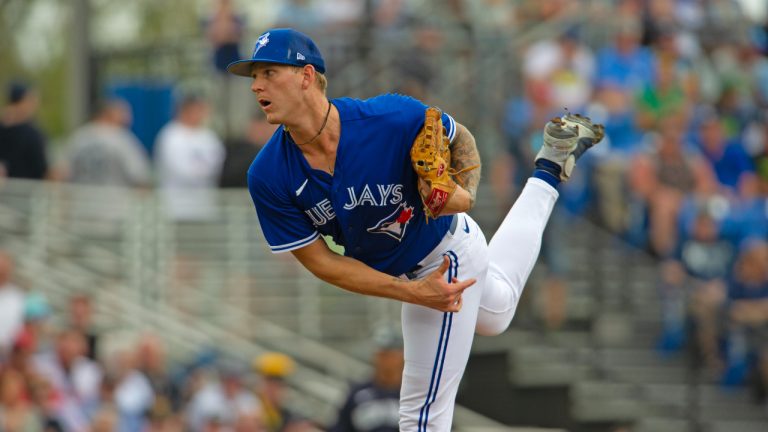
(137, 293)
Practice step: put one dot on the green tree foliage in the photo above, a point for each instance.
(164, 26)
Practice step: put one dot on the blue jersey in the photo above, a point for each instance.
(371, 204)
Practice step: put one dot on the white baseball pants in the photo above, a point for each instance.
(437, 344)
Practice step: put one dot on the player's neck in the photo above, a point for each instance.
(319, 131)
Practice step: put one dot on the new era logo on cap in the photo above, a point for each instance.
(278, 46)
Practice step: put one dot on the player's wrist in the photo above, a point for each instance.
(409, 295)
(460, 201)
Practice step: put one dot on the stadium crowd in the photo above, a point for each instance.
(683, 172)
(681, 88)
(62, 372)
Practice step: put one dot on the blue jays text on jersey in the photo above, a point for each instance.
(370, 205)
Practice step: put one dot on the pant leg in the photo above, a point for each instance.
(513, 251)
(437, 344)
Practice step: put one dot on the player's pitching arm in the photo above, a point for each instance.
(350, 274)
(464, 154)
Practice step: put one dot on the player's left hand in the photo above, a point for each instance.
(434, 291)
(459, 201)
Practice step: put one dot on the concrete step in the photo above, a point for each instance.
(651, 424)
(736, 412)
(608, 410)
(642, 356)
(737, 426)
(646, 374)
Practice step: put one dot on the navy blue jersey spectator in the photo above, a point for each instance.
(22, 143)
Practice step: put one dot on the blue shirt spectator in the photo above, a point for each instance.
(728, 158)
(624, 63)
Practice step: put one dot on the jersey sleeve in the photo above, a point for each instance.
(450, 126)
(414, 109)
(284, 225)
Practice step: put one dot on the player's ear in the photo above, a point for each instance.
(308, 76)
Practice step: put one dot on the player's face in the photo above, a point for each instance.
(278, 90)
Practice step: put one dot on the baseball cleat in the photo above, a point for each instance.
(565, 140)
(586, 128)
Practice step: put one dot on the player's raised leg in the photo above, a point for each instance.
(437, 344)
(515, 247)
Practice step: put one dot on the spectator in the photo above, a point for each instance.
(152, 362)
(104, 152)
(189, 158)
(660, 180)
(17, 414)
(161, 418)
(671, 45)
(222, 401)
(11, 305)
(495, 17)
(748, 314)
(732, 60)
(106, 420)
(74, 381)
(224, 30)
(416, 63)
(22, 143)
(274, 368)
(565, 66)
(729, 160)
(28, 341)
(303, 15)
(624, 64)
(695, 279)
(81, 319)
(240, 152)
(664, 97)
(373, 406)
(613, 107)
(132, 395)
(340, 15)
(758, 55)
(20, 357)
(37, 312)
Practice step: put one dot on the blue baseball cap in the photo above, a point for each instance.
(282, 46)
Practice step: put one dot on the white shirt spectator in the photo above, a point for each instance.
(211, 402)
(76, 392)
(189, 165)
(11, 314)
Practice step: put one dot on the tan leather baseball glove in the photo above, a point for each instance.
(431, 159)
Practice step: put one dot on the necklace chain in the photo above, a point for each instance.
(325, 121)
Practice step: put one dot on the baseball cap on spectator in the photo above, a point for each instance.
(572, 32)
(387, 338)
(281, 46)
(17, 90)
(25, 340)
(274, 365)
(231, 369)
(36, 307)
